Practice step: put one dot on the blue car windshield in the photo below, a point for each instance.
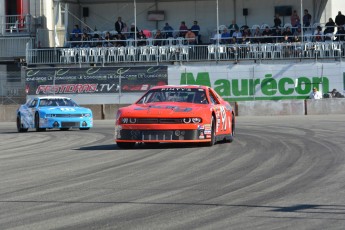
(57, 102)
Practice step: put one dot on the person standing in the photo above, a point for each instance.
(233, 27)
(183, 29)
(196, 30)
(340, 19)
(294, 19)
(119, 25)
(315, 94)
(306, 19)
(277, 21)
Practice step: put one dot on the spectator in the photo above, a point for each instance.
(133, 30)
(318, 35)
(257, 35)
(76, 30)
(306, 19)
(335, 94)
(75, 40)
(277, 33)
(119, 25)
(340, 19)
(217, 37)
(329, 27)
(315, 94)
(294, 19)
(190, 37)
(183, 29)
(141, 38)
(158, 38)
(108, 39)
(267, 34)
(225, 37)
(297, 34)
(237, 35)
(287, 32)
(277, 21)
(340, 34)
(168, 31)
(85, 40)
(233, 27)
(121, 39)
(196, 30)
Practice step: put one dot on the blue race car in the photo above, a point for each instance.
(53, 112)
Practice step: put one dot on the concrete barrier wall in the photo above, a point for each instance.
(326, 106)
(244, 108)
(270, 108)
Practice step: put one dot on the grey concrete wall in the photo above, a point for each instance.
(243, 108)
(325, 106)
(270, 108)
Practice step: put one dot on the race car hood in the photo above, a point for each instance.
(164, 109)
(64, 109)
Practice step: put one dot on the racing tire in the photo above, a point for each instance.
(64, 129)
(125, 145)
(37, 123)
(84, 128)
(213, 132)
(20, 128)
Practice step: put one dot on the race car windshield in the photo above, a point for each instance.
(186, 95)
(57, 102)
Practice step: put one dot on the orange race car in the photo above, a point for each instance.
(175, 113)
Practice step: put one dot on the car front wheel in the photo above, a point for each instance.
(37, 123)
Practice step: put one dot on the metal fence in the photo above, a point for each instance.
(186, 53)
(12, 89)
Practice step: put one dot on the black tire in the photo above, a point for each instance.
(213, 132)
(84, 128)
(20, 128)
(125, 145)
(64, 129)
(37, 123)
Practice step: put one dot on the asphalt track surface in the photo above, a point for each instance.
(285, 172)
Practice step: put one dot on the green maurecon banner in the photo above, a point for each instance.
(93, 80)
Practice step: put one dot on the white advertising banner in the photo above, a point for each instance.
(244, 82)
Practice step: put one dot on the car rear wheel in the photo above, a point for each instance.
(125, 145)
(232, 129)
(37, 123)
(20, 128)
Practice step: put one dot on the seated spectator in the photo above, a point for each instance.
(318, 35)
(217, 38)
(287, 32)
(277, 35)
(121, 39)
(297, 35)
(237, 34)
(190, 37)
(340, 34)
(168, 31)
(225, 37)
(141, 38)
(246, 31)
(257, 35)
(108, 40)
(267, 35)
(183, 29)
(158, 38)
(75, 40)
(85, 40)
(196, 30)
